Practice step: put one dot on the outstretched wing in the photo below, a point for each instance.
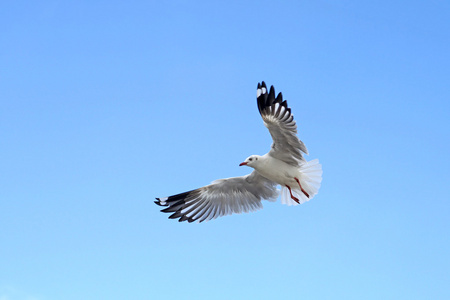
(279, 120)
(222, 197)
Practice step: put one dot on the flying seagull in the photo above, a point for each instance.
(283, 165)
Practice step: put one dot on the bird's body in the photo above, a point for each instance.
(277, 170)
(295, 178)
(283, 165)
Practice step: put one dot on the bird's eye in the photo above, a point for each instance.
(250, 159)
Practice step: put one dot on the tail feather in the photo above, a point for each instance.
(310, 179)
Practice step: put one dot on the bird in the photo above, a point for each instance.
(284, 166)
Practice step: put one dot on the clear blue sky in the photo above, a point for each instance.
(105, 105)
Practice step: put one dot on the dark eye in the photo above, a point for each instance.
(250, 159)
(256, 158)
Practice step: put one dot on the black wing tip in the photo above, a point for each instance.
(158, 202)
(271, 98)
(261, 85)
(266, 102)
(279, 98)
(261, 89)
(272, 92)
(176, 215)
(174, 204)
(267, 98)
(261, 96)
(186, 218)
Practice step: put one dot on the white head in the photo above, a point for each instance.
(251, 161)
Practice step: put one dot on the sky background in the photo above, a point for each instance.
(105, 105)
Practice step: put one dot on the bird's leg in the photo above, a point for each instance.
(298, 181)
(292, 196)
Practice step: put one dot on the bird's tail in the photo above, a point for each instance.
(310, 179)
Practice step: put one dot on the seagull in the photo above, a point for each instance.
(283, 165)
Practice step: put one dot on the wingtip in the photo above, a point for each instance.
(271, 96)
(184, 218)
(279, 98)
(175, 215)
(261, 96)
(272, 91)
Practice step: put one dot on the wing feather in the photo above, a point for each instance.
(222, 197)
(279, 120)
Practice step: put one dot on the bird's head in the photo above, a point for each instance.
(251, 161)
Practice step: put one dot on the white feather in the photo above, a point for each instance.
(310, 179)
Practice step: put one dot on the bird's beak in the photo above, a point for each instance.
(242, 164)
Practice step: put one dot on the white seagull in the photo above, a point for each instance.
(283, 165)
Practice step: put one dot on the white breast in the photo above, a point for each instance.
(277, 170)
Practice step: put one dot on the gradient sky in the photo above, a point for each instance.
(105, 105)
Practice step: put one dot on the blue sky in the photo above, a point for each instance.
(105, 105)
